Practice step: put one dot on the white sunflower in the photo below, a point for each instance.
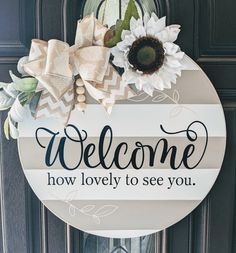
(148, 54)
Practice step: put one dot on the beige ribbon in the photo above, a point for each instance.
(55, 65)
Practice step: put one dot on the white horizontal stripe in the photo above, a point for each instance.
(137, 120)
(201, 183)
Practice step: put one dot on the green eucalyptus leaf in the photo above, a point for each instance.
(23, 97)
(6, 101)
(14, 78)
(30, 97)
(11, 91)
(131, 11)
(6, 128)
(26, 97)
(34, 102)
(28, 84)
(3, 85)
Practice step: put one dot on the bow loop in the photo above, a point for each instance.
(58, 53)
(55, 64)
(90, 32)
(92, 62)
(49, 63)
(37, 58)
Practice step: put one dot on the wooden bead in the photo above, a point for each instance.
(79, 83)
(81, 98)
(80, 90)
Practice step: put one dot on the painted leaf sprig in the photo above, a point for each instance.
(131, 11)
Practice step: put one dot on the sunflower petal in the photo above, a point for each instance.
(129, 39)
(130, 76)
(140, 32)
(133, 24)
(155, 16)
(125, 33)
(170, 48)
(147, 88)
(150, 28)
(169, 34)
(145, 19)
(122, 46)
(160, 24)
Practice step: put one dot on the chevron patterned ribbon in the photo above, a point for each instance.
(56, 66)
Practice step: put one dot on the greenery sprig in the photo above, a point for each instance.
(115, 35)
(21, 89)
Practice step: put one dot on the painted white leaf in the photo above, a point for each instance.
(87, 208)
(72, 210)
(176, 96)
(106, 210)
(96, 219)
(140, 97)
(176, 111)
(159, 98)
(71, 196)
(5, 100)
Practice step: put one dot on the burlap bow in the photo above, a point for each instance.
(56, 65)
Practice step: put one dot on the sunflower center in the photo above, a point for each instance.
(146, 54)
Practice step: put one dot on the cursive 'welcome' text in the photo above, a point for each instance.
(135, 155)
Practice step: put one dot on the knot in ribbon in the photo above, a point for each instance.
(56, 66)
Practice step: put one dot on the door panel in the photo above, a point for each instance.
(208, 36)
(13, 198)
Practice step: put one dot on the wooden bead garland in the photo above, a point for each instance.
(80, 95)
